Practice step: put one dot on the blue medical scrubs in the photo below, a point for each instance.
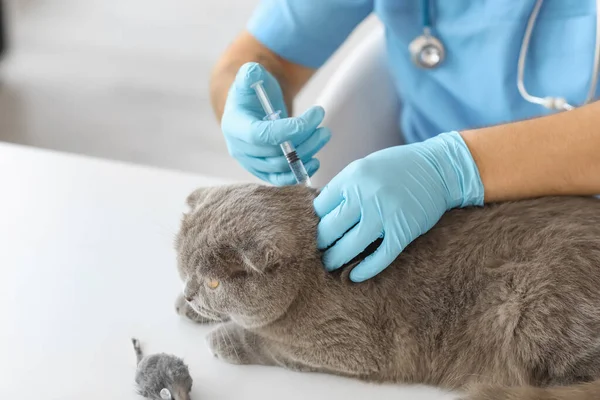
(477, 83)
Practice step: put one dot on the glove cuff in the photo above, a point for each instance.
(461, 173)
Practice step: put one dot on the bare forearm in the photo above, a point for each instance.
(553, 155)
(246, 48)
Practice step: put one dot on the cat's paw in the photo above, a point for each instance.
(185, 310)
(226, 346)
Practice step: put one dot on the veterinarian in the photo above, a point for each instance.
(482, 122)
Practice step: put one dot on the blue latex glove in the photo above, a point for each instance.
(254, 142)
(396, 194)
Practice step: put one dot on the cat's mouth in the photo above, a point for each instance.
(206, 313)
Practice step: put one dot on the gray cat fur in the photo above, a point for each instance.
(502, 302)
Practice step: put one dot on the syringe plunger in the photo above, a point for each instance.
(289, 151)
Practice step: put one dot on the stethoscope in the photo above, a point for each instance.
(428, 52)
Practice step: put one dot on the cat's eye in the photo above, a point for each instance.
(212, 283)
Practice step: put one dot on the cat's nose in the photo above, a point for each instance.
(189, 290)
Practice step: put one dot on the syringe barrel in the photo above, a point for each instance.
(287, 148)
(299, 172)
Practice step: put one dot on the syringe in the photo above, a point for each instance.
(289, 151)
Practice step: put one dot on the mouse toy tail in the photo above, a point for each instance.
(138, 349)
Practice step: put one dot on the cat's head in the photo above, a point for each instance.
(245, 251)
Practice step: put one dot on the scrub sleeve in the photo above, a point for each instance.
(306, 32)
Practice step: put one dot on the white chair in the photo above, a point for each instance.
(361, 108)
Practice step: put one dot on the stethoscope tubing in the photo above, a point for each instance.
(428, 42)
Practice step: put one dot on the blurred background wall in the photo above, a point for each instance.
(125, 79)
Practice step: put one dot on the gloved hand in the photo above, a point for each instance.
(255, 142)
(396, 194)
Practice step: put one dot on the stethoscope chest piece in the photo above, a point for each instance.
(427, 51)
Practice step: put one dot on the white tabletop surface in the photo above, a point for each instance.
(87, 262)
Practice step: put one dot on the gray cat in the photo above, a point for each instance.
(501, 301)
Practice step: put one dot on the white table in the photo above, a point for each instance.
(86, 262)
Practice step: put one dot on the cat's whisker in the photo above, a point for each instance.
(222, 337)
(166, 231)
(232, 343)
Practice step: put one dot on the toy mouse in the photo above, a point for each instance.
(161, 376)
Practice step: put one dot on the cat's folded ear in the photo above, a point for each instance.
(262, 257)
(197, 196)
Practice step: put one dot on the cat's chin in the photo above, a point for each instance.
(209, 314)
